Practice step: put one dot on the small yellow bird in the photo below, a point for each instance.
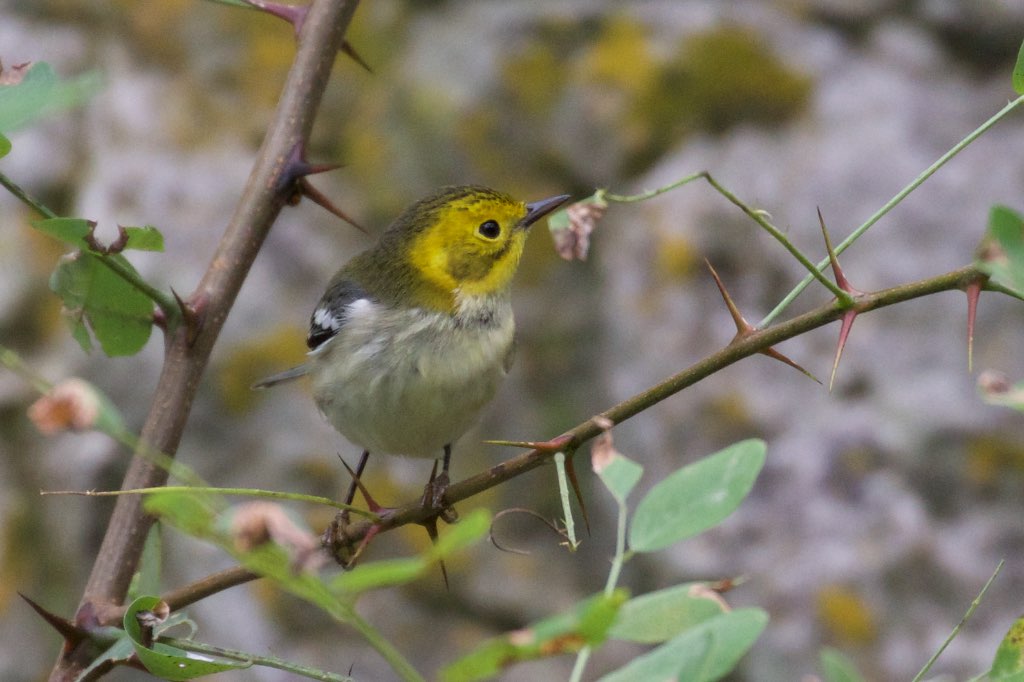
(413, 336)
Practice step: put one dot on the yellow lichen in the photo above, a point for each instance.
(846, 615)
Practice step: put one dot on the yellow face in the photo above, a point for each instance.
(473, 244)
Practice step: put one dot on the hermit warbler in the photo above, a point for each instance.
(413, 336)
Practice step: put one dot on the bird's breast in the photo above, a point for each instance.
(411, 381)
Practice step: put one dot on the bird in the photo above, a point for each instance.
(413, 336)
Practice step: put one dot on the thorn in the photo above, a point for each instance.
(431, 526)
(191, 314)
(772, 353)
(370, 502)
(293, 14)
(370, 535)
(744, 328)
(296, 16)
(293, 179)
(433, 498)
(72, 634)
(851, 312)
(350, 52)
(317, 197)
(556, 444)
(973, 291)
(844, 334)
(331, 537)
(840, 276)
(570, 469)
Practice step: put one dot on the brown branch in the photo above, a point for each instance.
(741, 347)
(186, 355)
(211, 584)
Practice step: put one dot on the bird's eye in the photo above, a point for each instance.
(489, 229)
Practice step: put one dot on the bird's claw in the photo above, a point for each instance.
(433, 497)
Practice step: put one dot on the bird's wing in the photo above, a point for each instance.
(332, 311)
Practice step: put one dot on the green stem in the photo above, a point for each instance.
(563, 492)
(247, 492)
(889, 205)
(845, 300)
(14, 362)
(643, 196)
(960, 625)
(392, 655)
(995, 286)
(25, 197)
(758, 217)
(609, 587)
(164, 301)
(620, 550)
(581, 663)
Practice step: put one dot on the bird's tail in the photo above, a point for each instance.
(283, 377)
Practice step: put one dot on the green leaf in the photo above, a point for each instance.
(1009, 660)
(120, 316)
(39, 93)
(377, 574)
(74, 230)
(696, 497)
(703, 653)
(620, 475)
(118, 653)
(193, 513)
(70, 230)
(659, 616)
(146, 238)
(5, 146)
(1018, 72)
(586, 625)
(147, 579)
(1002, 251)
(170, 663)
(836, 667)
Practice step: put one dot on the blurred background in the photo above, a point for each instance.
(884, 505)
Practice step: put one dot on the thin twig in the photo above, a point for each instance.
(960, 625)
(889, 205)
(755, 215)
(165, 301)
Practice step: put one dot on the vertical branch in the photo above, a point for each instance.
(188, 349)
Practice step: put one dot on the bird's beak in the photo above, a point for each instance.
(538, 209)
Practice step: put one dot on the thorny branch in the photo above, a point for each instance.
(188, 348)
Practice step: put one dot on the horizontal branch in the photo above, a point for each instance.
(570, 441)
(746, 346)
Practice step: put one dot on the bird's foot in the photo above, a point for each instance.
(433, 496)
(335, 538)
